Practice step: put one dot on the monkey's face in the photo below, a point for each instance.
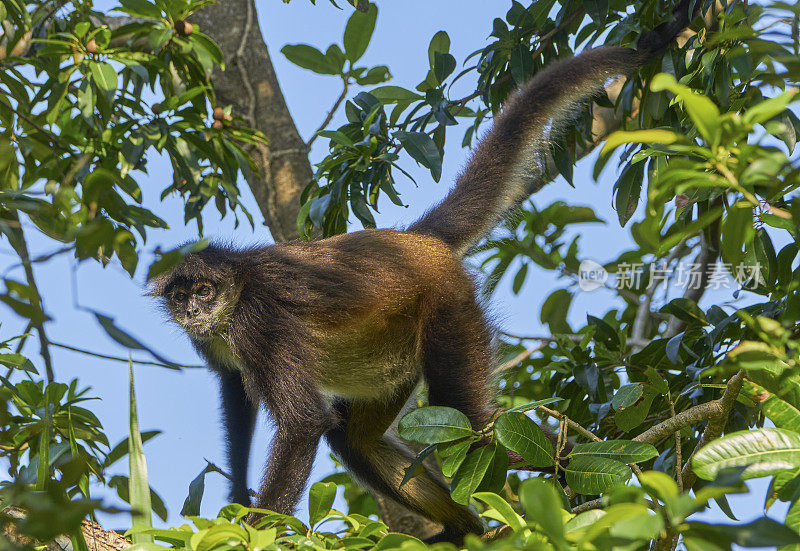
(200, 307)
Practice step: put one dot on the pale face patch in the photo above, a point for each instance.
(201, 308)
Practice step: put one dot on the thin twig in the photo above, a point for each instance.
(121, 359)
(50, 136)
(215, 468)
(643, 313)
(21, 247)
(46, 18)
(589, 505)
(521, 357)
(572, 424)
(24, 337)
(678, 451)
(333, 110)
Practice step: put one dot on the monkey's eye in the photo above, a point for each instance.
(179, 296)
(204, 291)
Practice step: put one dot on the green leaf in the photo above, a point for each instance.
(320, 500)
(358, 32)
(104, 75)
(685, 309)
(17, 361)
(517, 432)
(205, 43)
(469, 475)
(542, 504)
(139, 487)
(439, 44)
(170, 259)
(659, 484)
(631, 417)
(597, 10)
(521, 64)
(519, 279)
(495, 478)
(762, 452)
(763, 533)
(604, 334)
(627, 395)
(555, 309)
(308, 57)
(453, 455)
(191, 505)
(756, 356)
(782, 414)
(394, 94)
(499, 504)
(396, 541)
(127, 340)
(121, 449)
(626, 451)
(655, 135)
(627, 190)
(434, 424)
(43, 470)
(737, 233)
(594, 475)
(645, 526)
(140, 8)
(423, 150)
(701, 110)
(765, 110)
(416, 465)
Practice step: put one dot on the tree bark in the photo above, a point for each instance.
(96, 538)
(250, 85)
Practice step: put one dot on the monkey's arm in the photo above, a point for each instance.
(239, 415)
(277, 366)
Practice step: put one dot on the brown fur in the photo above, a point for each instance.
(333, 336)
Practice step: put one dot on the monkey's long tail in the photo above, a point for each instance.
(507, 165)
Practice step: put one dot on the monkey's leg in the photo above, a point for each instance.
(292, 454)
(456, 355)
(457, 362)
(239, 416)
(379, 462)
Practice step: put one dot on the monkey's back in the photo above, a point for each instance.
(364, 298)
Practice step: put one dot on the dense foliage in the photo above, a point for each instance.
(672, 405)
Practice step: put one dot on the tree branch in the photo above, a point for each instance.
(329, 117)
(17, 240)
(522, 356)
(716, 425)
(570, 423)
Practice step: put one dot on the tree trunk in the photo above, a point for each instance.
(250, 85)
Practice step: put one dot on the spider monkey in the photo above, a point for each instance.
(333, 336)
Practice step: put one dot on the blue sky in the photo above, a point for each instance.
(184, 405)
